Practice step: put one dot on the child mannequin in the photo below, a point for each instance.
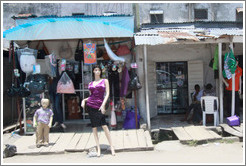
(42, 119)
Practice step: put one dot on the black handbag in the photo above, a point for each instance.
(12, 91)
(37, 83)
(23, 91)
(79, 52)
(134, 83)
(42, 52)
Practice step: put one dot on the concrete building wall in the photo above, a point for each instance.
(184, 12)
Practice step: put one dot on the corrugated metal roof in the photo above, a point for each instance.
(72, 28)
(196, 24)
(178, 35)
(167, 35)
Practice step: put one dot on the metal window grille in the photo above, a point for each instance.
(201, 14)
(156, 18)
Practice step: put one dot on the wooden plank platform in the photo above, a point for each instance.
(195, 133)
(123, 140)
(182, 135)
(231, 130)
(239, 128)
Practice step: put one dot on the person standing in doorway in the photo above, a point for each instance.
(95, 105)
(228, 91)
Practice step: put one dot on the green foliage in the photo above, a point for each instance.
(192, 143)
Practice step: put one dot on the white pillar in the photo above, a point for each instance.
(233, 88)
(220, 82)
(146, 87)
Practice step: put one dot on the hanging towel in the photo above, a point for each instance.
(215, 64)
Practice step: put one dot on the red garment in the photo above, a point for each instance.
(238, 74)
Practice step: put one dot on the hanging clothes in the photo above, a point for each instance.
(124, 82)
(113, 78)
(230, 65)
(215, 64)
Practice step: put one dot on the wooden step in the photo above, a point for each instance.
(195, 133)
(231, 130)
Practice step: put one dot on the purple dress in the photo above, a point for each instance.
(97, 94)
(94, 102)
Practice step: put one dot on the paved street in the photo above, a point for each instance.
(165, 152)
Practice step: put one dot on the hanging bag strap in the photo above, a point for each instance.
(44, 47)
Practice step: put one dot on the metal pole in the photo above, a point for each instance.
(24, 112)
(220, 82)
(63, 106)
(146, 87)
(233, 89)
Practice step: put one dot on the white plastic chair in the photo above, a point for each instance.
(207, 104)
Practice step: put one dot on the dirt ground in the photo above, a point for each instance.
(165, 152)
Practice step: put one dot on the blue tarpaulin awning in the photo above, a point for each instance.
(72, 28)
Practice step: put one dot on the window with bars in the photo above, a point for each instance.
(156, 16)
(201, 13)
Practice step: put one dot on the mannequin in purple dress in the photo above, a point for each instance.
(95, 105)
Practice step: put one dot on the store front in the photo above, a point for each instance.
(61, 36)
(173, 60)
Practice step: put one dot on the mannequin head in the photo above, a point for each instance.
(45, 103)
(97, 71)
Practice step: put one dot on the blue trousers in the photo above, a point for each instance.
(56, 101)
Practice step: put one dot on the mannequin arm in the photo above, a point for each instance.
(107, 92)
(51, 119)
(102, 108)
(225, 82)
(34, 121)
(83, 102)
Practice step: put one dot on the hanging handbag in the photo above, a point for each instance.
(23, 91)
(105, 54)
(79, 52)
(12, 91)
(134, 83)
(65, 51)
(123, 50)
(42, 52)
(99, 52)
(65, 85)
(37, 83)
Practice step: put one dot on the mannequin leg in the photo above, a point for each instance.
(106, 130)
(97, 141)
